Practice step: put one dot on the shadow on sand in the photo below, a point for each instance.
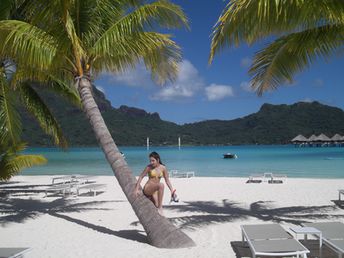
(15, 210)
(208, 213)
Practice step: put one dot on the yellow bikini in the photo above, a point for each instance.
(155, 174)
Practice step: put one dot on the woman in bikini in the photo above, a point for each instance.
(154, 189)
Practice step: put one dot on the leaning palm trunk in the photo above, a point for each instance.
(160, 232)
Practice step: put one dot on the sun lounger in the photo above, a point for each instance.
(341, 192)
(273, 178)
(271, 240)
(332, 235)
(255, 178)
(64, 188)
(187, 174)
(64, 179)
(13, 252)
(90, 187)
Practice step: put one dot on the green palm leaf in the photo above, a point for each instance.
(10, 124)
(20, 40)
(11, 163)
(156, 49)
(249, 21)
(278, 62)
(36, 106)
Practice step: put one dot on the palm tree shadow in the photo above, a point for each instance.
(213, 212)
(19, 210)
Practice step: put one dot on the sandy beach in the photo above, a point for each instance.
(210, 211)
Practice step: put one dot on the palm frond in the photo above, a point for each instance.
(249, 21)
(62, 84)
(10, 123)
(11, 162)
(159, 52)
(160, 13)
(41, 112)
(20, 40)
(282, 59)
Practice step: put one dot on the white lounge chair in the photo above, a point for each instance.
(332, 235)
(340, 192)
(63, 179)
(64, 188)
(273, 178)
(13, 252)
(90, 187)
(271, 240)
(255, 178)
(177, 174)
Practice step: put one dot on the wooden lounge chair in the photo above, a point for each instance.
(271, 240)
(332, 235)
(13, 252)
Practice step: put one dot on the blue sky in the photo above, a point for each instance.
(218, 91)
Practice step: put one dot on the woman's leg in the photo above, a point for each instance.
(152, 189)
(155, 199)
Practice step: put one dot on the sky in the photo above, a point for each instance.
(220, 90)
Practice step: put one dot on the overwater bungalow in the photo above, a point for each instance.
(299, 141)
(337, 139)
(321, 140)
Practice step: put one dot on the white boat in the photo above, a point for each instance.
(230, 156)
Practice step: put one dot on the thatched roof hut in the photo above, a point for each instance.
(313, 138)
(299, 138)
(337, 138)
(323, 138)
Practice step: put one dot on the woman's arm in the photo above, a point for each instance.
(167, 179)
(143, 174)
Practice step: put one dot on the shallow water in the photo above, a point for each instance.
(325, 162)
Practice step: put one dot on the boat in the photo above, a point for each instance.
(230, 156)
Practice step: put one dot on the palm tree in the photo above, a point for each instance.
(12, 90)
(76, 40)
(302, 31)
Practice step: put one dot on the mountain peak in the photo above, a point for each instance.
(137, 112)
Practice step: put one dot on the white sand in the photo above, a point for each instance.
(210, 212)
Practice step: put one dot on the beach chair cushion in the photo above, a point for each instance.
(330, 230)
(12, 252)
(278, 246)
(265, 231)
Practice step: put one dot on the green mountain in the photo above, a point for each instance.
(272, 124)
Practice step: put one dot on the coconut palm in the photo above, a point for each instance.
(12, 93)
(77, 40)
(302, 32)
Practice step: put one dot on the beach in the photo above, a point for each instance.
(210, 211)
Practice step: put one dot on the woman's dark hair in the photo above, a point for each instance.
(156, 156)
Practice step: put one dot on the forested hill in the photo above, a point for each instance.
(272, 124)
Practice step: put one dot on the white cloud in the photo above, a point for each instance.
(308, 100)
(245, 62)
(188, 83)
(137, 77)
(100, 89)
(246, 86)
(318, 82)
(217, 92)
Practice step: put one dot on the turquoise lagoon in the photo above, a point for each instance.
(325, 162)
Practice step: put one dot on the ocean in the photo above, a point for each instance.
(325, 162)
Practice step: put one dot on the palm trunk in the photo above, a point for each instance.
(161, 233)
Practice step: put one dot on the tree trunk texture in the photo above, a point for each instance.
(160, 232)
